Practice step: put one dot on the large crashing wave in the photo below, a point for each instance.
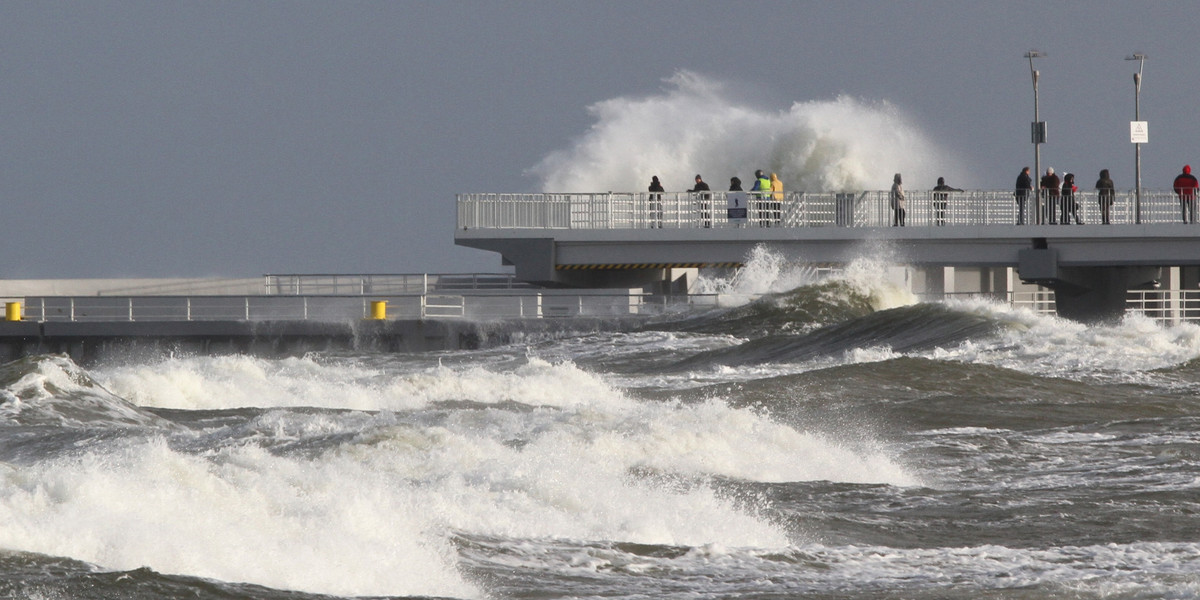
(697, 126)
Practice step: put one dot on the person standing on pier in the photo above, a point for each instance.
(1185, 188)
(777, 199)
(656, 207)
(897, 202)
(705, 201)
(941, 199)
(1050, 186)
(761, 185)
(1024, 186)
(1106, 194)
(1069, 207)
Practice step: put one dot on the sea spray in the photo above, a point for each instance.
(696, 125)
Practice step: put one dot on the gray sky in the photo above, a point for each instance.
(242, 138)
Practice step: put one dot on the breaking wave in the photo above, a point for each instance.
(697, 125)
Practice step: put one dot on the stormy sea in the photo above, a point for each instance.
(826, 437)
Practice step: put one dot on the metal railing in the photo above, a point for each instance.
(683, 210)
(358, 285)
(484, 305)
(1164, 306)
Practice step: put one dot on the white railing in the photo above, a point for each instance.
(357, 285)
(682, 210)
(1165, 306)
(341, 308)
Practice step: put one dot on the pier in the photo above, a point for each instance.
(622, 239)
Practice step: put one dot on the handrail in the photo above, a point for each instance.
(1163, 305)
(684, 210)
(368, 284)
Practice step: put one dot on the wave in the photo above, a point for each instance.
(793, 311)
(921, 393)
(699, 125)
(773, 294)
(53, 390)
(906, 329)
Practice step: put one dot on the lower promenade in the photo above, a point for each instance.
(90, 319)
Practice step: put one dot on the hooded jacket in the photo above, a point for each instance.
(1105, 188)
(1186, 184)
(897, 196)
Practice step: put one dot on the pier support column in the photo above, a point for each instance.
(1189, 281)
(933, 282)
(1097, 294)
(1086, 294)
(1174, 292)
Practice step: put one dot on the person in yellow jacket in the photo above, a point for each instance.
(776, 199)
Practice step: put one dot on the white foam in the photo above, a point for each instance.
(242, 515)
(1049, 345)
(56, 391)
(699, 125)
(244, 381)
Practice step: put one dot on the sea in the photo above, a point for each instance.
(825, 436)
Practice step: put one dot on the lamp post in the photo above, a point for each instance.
(1038, 135)
(1139, 128)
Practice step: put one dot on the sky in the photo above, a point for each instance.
(235, 139)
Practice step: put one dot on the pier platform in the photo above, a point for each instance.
(622, 240)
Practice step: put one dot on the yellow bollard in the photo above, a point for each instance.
(12, 311)
(379, 309)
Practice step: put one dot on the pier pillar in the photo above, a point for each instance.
(1097, 294)
(1189, 279)
(1086, 294)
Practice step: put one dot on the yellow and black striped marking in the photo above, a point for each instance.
(634, 266)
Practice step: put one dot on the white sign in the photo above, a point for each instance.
(737, 211)
(1138, 132)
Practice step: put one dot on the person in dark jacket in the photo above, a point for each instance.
(897, 201)
(941, 199)
(737, 211)
(1069, 207)
(1185, 188)
(1050, 188)
(656, 207)
(1024, 186)
(1106, 194)
(704, 201)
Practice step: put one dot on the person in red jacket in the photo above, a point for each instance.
(1185, 188)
